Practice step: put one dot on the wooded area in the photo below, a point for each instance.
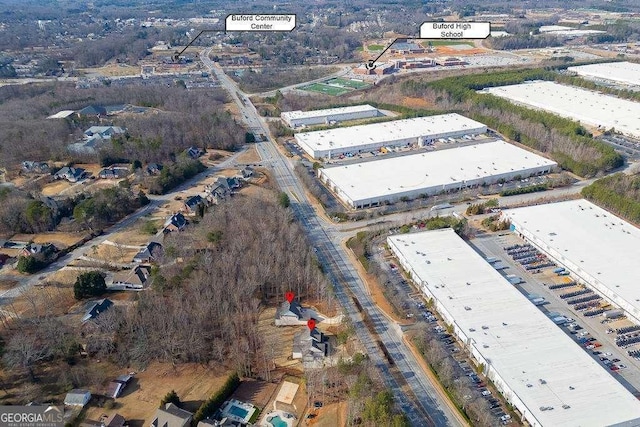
(619, 193)
(179, 119)
(206, 309)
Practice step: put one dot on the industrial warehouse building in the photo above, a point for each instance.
(389, 180)
(295, 119)
(355, 139)
(588, 107)
(620, 72)
(598, 248)
(538, 368)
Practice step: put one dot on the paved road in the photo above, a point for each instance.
(426, 409)
(27, 282)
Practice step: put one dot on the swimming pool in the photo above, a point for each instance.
(238, 411)
(277, 422)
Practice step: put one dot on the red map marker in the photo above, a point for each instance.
(289, 296)
(311, 323)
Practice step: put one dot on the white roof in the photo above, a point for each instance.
(387, 132)
(326, 112)
(378, 178)
(550, 28)
(521, 343)
(604, 246)
(560, 30)
(583, 105)
(624, 72)
(61, 114)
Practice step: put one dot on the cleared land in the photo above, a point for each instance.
(194, 383)
(60, 240)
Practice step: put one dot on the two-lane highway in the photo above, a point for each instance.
(422, 404)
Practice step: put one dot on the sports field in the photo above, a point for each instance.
(354, 84)
(335, 87)
(326, 89)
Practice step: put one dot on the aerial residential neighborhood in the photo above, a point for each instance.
(283, 214)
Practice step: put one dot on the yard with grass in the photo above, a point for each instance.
(375, 47)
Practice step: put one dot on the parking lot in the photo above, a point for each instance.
(413, 305)
(574, 307)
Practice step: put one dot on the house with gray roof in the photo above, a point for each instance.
(96, 308)
(147, 254)
(71, 174)
(291, 314)
(171, 416)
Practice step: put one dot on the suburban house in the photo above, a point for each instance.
(113, 420)
(246, 172)
(291, 314)
(171, 416)
(97, 135)
(113, 173)
(133, 279)
(71, 174)
(115, 387)
(92, 111)
(215, 193)
(105, 132)
(35, 167)
(44, 250)
(176, 222)
(147, 254)
(192, 203)
(311, 346)
(96, 308)
(77, 397)
(194, 152)
(154, 168)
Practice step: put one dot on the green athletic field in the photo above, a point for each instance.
(353, 84)
(326, 89)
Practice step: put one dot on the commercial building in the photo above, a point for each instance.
(598, 248)
(389, 180)
(538, 368)
(355, 139)
(583, 105)
(620, 72)
(299, 118)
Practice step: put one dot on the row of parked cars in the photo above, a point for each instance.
(529, 257)
(590, 343)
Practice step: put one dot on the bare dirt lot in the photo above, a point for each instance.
(112, 253)
(279, 339)
(250, 156)
(332, 415)
(56, 187)
(193, 383)
(416, 102)
(258, 393)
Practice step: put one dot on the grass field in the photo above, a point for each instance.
(375, 47)
(353, 84)
(326, 89)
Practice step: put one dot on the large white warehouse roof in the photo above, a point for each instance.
(583, 105)
(594, 244)
(623, 72)
(534, 363)
(289, 115)
(382, 133)
(430, 172)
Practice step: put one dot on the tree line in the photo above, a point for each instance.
(562, 139)
(618, 193)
